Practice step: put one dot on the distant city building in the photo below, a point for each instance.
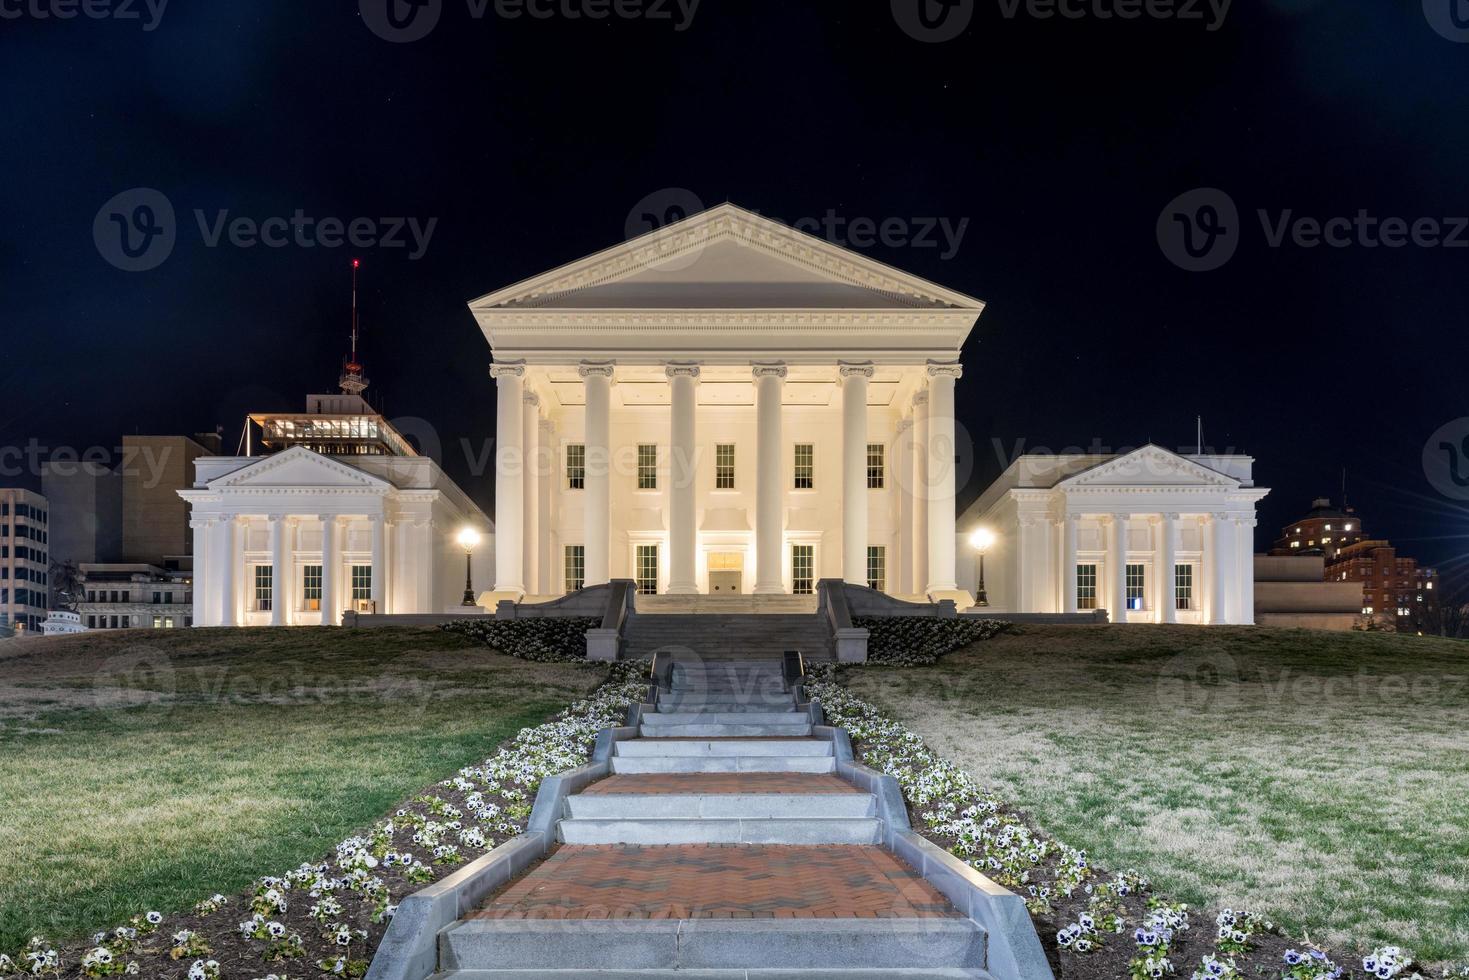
(155, 521)
(85, 502)
(25, 561)
(1395, 591)
(1292, 591)
(136, 596)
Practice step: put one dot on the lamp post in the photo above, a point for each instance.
(468, 538)
(980, 541)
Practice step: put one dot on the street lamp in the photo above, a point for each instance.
(980, 541)
(468, 538)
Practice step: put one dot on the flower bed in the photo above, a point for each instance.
(548, 640)
(326, 918)
(1096, 924)
(913, 641)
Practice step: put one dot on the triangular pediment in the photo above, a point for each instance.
(1150, 466)
(725, 258)
(298, 468)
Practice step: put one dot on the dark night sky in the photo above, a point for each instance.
(531, 140)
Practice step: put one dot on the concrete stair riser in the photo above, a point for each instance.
(623, 765)
(659, 719)
(812, 974)
(665, 748)
(700, 830)
(720, 806)
(723, 729)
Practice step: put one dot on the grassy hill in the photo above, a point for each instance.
(147, 769)
(1318, 778)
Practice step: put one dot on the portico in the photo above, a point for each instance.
(726, 404)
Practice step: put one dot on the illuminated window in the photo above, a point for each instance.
(877, 568)
(724, 466)
(1295, 544)
(263, 587)
(1086, 586)
(576, 466)
(1183, 586)
(803, 564)
(647, 568)
(1136, 586)
(361, 582)
(576, 567)
(647, 467)
(875, 469)
(805, 466)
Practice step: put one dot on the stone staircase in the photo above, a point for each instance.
(723, 846)
(752, 605)
(729, 636)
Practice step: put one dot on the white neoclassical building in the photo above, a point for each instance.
(1151, 536)
(726, 405)
(340, 513)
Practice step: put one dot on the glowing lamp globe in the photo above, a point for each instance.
(981, 539)
(468, 539)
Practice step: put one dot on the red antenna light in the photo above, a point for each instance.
(356, 263)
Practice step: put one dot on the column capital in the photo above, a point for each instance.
(1171, 517)
(855, 369)
(945, 369)
(547, 425)
(198, 523)
(920, 399)
(681, 369)
(274, 519)
(1120, 518)
(596, 369)
(769, 369)
(327, 518)
(507, 369)
(904, 424)
(533, 399)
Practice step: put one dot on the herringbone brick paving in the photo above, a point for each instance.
(695, 783)
(719, 881)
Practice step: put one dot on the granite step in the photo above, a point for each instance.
(723, 729)
(708, 830)
(940, 973)
(664, 747)
(635, 765)
(662, 719)
(720, 806)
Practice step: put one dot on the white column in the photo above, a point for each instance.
(1244, 577)
(1068, 563)
(854, 471)
(769, 529)
(1022, 589)
(919, 564)
(1167, 573)
(1218, 561)
(277, 570)
(530, 529)
(509, 477)
(547, 567)
(597, 497)
(226, 565)
(330, 611)
(682, 447)
(379, 565)
(941, 449)
(903, 466)
(1117, 565)
(202, 570)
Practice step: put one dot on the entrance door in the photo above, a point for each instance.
(725, 570)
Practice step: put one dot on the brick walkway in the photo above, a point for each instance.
(719, 881)
(695, 783)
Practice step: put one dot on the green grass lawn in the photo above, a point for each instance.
(146, 770)
(1320, 778)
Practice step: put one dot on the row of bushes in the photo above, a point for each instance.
(549, 640)
(915, 641)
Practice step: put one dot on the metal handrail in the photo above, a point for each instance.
(793, 668)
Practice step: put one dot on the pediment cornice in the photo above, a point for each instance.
(1146, 470)
(337, 477)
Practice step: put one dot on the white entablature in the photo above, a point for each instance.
(726, 352)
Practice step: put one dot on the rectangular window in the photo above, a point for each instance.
(647, 569)
(724, 466)
(877, 563)
(647, 467)
(1183, 586)
(168, 622)
(576, 567)
(158, 622)
(805, 468)
(1086, 587)
(263, 587)
(576, 466)
(803, 564)
(1137, 587)
(361, 583)
(311, 587)
(875, 475)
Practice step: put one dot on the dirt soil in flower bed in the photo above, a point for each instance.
(205, 758)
